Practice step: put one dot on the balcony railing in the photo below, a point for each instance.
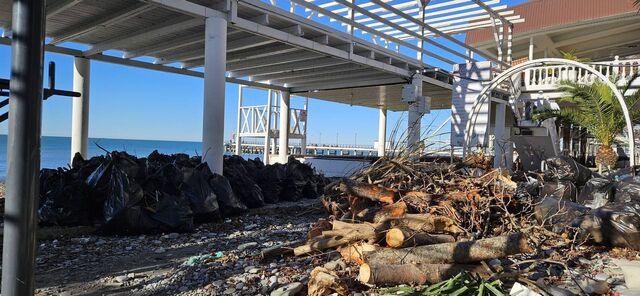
(548, 77)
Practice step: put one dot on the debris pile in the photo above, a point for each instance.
(420, 224)
(123, 194)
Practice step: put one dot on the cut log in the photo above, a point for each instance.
(319, 244)
(460, 252)
(318, 228)
(426, 223)
(368, 191)
(342, 234)
(392, 211)
(416, 274)
(403, 238)
(355, 252)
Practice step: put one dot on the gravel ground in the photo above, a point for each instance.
(74, 263)
(154, 265)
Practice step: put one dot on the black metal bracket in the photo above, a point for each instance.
(47, 92)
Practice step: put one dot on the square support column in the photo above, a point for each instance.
(284, 127)
(382, 132)
(416, 110)
(80, 111)
(215, 55)
(23, 148)
(502, 144)
(238, 139)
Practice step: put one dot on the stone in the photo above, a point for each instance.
(173, 235)
(131, 275)
(287, 290)
(253, 270)
(121, 279)
(601, 277)
(159, 250)
(245, 246)
(335, 265)
(229, 291)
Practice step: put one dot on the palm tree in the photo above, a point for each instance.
(595, 107)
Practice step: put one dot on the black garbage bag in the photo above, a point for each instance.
(627, 190)
(299, 182)
(560, 215)
(120, 193)
(527, 190)
(243, 186)
(173, 214)
(596, 193)
(270, 179)
(169, 214)
(230, 205)
(63, 200)
(566, 168)
(616, 225)
(564, 190)
(198, 191)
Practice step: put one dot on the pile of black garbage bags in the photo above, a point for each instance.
(123, 194)
(602, 209)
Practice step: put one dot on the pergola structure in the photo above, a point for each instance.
(370, 53)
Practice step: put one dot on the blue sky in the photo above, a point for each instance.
(133, 103)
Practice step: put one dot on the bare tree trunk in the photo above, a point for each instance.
(417, 274)
(460, 252)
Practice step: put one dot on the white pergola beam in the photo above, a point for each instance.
(449, 19)
(273, 60)
(365, 28)
(165, 46)
(444, 25)
(296, 66)
(309, 72)
(248, 42)
(106, 21)
(397, 11)
(462, 28)
(491, 11)
(261, 52)
(451, 11)
(60, 6)
(294, 81)
(161, 29)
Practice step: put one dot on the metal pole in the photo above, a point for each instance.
(284, 126)
(303, 141)
(215, 48)
(80, 110)
(239, 122)
(23, 148)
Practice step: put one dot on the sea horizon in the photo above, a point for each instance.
(56, 150)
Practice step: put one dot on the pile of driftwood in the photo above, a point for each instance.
(407, 222)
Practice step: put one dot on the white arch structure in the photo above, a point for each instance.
(484, 94)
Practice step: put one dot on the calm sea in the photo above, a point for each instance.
(56, 151)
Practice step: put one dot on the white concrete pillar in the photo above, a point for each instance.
(284, 126)
(531, 48)
(382, 132)
(238, 124)
(215, 48)
(267, 137)
(500, 141)
(80, 111)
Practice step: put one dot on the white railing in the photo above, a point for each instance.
(548, 77)
(253, 120)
